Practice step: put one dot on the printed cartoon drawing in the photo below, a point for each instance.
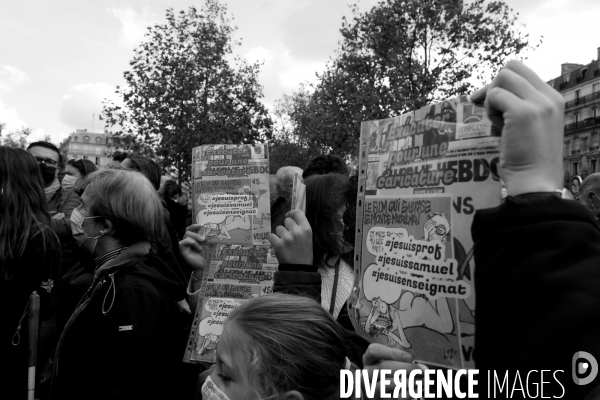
(437, 227)
(219, 226)
(414, 309)
(385, 320)
(208, 345)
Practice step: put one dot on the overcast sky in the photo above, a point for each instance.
(60, 58)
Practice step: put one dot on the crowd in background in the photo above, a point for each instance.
(117, 261)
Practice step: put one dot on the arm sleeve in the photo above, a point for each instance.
(537, 280)
(62, 226)
(299, 279)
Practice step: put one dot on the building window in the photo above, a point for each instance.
(595, 142)
(75, 138)
(593, 165)
(576, 145)
(577, 93)
(98, 160)
(595, 88)
(566, 149)
(99, 140)
(86, 139)
(595, 113)
(584, 147)
(575, 169)
(576, 120)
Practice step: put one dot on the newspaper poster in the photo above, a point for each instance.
(423, 175)
(233, 274)
(219, 301)
(231, 193)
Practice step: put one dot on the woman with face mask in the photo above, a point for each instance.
(75, 173)
(120, 342)
(29, 261)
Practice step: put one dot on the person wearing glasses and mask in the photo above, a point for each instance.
(61, 203)
(589, 195)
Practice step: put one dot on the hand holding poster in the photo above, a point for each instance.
(422, 176)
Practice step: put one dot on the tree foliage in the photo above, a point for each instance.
(182, 92)
(18, 138)
(402, 55)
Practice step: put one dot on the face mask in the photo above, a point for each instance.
(210, 391)
(78, 232)
(68, 182)
(48, 174)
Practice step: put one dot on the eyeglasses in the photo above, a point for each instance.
(46, 161)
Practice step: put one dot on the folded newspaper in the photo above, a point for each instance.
(422, 176)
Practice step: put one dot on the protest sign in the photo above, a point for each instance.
(298, 194)
(231, 205)
(422, 175)
(231, 193)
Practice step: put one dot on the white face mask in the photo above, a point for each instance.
(79, 233)
(210, 391)
(68, 182)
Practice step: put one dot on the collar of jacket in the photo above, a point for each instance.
(132, 253)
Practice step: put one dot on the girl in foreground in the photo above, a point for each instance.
(278, 346)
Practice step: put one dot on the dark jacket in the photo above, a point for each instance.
(124, 339)
(305, 280)
(63, 201)
(35, 271)
(538, 289)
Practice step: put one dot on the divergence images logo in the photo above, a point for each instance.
(584, 367)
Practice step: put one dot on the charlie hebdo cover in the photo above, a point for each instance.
(422, 176)
(231, 206)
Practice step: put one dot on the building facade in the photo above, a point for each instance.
(580, 86)
(96, 147)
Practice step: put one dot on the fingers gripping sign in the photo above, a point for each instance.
(293, 242)
(191, 248)
(530, 114)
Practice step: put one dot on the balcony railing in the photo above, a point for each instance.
(575, 126)
(582, 100)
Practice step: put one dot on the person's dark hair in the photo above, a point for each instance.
(85, 167)
(325, 164)
(169, 189)
(325, 195)
(50, 146)
(23, 211)
(148, 167)
(119, 156)
(291, 343)
(349, 217)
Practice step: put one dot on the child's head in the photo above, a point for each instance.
(280, 346)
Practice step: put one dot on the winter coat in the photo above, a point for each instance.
(36, 271)
(126, 339)
(538, 290)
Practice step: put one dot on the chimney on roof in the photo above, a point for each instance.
(598, 58)
(569, 67)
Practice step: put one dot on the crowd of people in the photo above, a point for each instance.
(118, 264)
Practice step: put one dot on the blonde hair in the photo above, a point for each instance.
(294, 344)
(129, 201)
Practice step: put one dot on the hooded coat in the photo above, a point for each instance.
(125, 339)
